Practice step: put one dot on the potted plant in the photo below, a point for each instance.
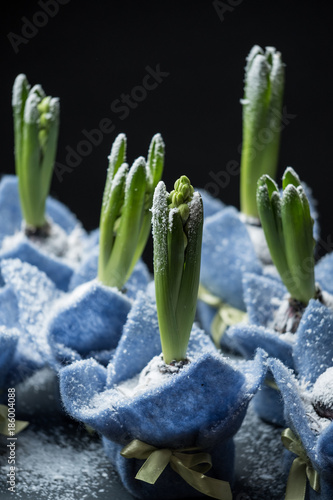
(233, 241)
(279, 309)
(167, 419)
(35, 227)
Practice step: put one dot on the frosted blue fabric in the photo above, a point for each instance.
(19, 358)
(247, 338)
(262, 296)
(11, 222)
(313, 350)
(227, 253)
(59, 272)
(324, 273)
(87, 321)
(87, 271)
(319, 447)
(8, 307)
(190, 409)
(35, 296)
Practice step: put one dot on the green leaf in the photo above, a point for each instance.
(36, 127)
(176, 254)
(177, 235)
(269, 209)
(155, 164)
(188, 295)
(129, 227)
(125, 221)
(290, 177)
(297, 230)
(155, 161)
(262, 110)
(116, 159)
(111, 211)
(166, 316)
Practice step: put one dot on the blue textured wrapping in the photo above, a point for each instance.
(59, 272)
(35, 296)
(313, 350)
(262, 295)
(25, 250)
(88, 320)
(87, 271)
(210, 414)
(227, 253)
(319, 448)
(19, 357)
(190, 409)
(324, 273)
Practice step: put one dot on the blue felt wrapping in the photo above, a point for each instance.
(227, 253)
(90, 320)
(65, 327)
(87, 321)
(262, 295)
(318, 447)
(19, 358)
(11, 223)
(87, 271)
(190, 409)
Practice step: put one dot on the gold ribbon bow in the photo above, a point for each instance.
(191, 467)
(226, 315)
(301, 468)
(19, 424)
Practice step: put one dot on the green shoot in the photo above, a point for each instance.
(177, 235)
(36, 127)
(262, 111)
(125, 215)
(288, 228)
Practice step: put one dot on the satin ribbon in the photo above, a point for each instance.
(225, 316)
(301, 469)
(19, 424)
(190, 466)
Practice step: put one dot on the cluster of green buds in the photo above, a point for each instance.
(36, 128)
(177, 237)
(125, 220)
(262, 112)
(288, 228)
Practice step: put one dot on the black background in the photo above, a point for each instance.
(90, 53)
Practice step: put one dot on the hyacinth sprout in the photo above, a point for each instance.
(177, 235)
(125, 220)
(288, 228)
(262, 111)
(36, 127)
